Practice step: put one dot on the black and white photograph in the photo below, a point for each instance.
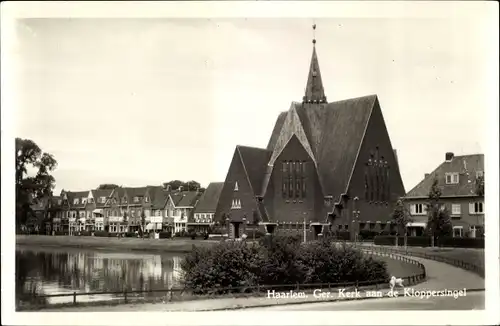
(222, 163)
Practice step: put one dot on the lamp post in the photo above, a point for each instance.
(356, 220)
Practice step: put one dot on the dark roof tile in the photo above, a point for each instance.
(465, 165)
(210, 198)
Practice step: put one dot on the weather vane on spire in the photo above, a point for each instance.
(314, 33)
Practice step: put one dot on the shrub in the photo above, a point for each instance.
(165, 235)
(85, 233)
(342, 235)
(368, 234)
(60, 233)
(323, 262)
(229, 264)
(100, 233)
(277, 260)
(130, 235)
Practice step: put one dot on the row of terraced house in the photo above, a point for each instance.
(126, 209)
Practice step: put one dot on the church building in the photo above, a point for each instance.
(328, 165)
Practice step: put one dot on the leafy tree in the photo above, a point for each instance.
(480, 186)
(186, 186)
(439, 222)
(401, 217)
(107, 186)
(29, 188)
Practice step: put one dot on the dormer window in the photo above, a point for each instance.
(84, 201)
(146, 199)
(91, 200)
(236, 186)
(76, 201)
(59, 202)
(102, 200)
(136, 199)
(124, 200)
(451, 178)
(479, 174)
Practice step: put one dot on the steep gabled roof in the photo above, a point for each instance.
(343, 129)
(98, 193)
(185, 198)
(276, 131)
(210, 198)
(465, 165)
(254, 162)
(331, 133)
(158, 196)
(77, 194)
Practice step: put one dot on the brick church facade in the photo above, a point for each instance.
(324, 162)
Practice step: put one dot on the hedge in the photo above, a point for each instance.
(367, 234)
(101, 234)
(165, 235)
(425, 241)
(461, 242)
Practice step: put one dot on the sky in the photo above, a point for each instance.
(142, 101)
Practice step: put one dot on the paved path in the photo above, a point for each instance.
(473, 301)
(440, 276)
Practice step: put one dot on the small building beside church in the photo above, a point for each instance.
(328, 165)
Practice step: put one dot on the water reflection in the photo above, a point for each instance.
(47, 272)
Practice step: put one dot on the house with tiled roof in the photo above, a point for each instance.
(204, 211)
(330, 165)
(75, 204)
(180, 206)
(457, 178)
(101, 201)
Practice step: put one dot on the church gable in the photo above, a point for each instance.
(237, 198)
(293, 185)
(291, 126)
(376, 178)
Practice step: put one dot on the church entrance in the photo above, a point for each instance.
(235, 230)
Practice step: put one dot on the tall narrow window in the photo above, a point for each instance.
(388, 176)
(366, 181)
(293, 177)
(370, 179)
(375, 181)
(290, 180)
(299, 179)
(304, 179)
(382, 180)
(284, 179)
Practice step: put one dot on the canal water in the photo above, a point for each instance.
(57, 271)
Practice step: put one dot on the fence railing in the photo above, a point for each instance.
(451, 261)
(183, 294)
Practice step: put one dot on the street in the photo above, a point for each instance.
(473, 301)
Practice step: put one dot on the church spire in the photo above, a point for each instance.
(315, 92)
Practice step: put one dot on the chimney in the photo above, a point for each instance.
(396, 156)
(449, 156)
(426, 175)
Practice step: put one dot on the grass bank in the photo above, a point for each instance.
(467, 255)
(181, 245)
